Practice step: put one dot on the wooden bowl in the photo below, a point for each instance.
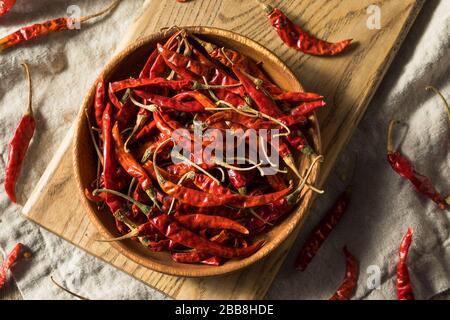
(128, 63)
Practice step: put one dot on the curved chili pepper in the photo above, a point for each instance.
(203, 221)
(110, 162)
(155, 63)
(346, 289)
(197, 96)
(146, 130)
(99, 102)
(403, 282)
(171, 103)
(295, 37)
(6, 5)
(130, 164)
(306, 108)
(19, 144)
(265, 104)
(322, 231)
(405, 168)
(8, 263)
(40, 29)
(196, 257)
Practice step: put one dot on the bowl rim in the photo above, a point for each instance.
(147, 261)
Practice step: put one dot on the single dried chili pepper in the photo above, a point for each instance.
(47, 27)
(19, 143)
(297, 97)
(171, 103)
(109, 161)
(405, 168)
(146, 130)
(203, 221)
(8, 262)
(306, 108)
(196, 257)
(322, 230)
(295, 37)
(403, 282)
(131, 83)
(6, 5)
(99, 102)
(239, 180)
(132, 166)
(347, 288)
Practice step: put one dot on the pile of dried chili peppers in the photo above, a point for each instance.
(200, 210)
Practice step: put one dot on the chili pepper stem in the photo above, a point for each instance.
(67, 290)
(30, 88)
(390, 145)
(289, 161)
(133, 233)
(267, 9)
(294, 195)
(437, 92)
(104, 11)
(144, 208)
(188, 175)
(91, 133)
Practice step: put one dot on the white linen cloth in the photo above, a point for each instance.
(383, 205)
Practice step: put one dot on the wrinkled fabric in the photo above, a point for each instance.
(383, 205)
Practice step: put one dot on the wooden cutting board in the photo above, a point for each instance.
(348, 82)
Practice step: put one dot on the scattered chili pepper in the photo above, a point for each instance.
(347, 288)
(6, 5)
(41, 29)
(295, 37)
(403, 283)
(19, 144)
(8, 263)
(322, 230)
(405, 168)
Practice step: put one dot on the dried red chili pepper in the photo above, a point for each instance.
(109, 161)
(47, 27)
(347, 288)
(132, 166)
(131, 83)
(297, 97)
(405, 168)
(306, 108)
(403, 282)
(175, 232)
(171, 103)
(196, 257)
(6, 5)
(203, 221)
(8, 262)
(295, 37)
(19, 143)
(99, 102)
(322, 230)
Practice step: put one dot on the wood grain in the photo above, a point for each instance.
(348, 82)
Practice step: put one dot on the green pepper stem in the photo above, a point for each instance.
(144, 208)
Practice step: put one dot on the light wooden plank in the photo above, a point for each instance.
(348, 83)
